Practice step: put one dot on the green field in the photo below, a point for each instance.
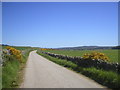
(112, 54)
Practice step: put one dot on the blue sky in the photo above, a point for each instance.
(60, 24)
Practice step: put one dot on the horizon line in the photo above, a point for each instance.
(61, 46)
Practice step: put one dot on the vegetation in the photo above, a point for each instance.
(107, 78)
(96, 56)
(117, 47)
(14, 52)
(13, 62)
(14, 59)
(111, 54)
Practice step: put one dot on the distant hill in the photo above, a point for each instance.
(4, 45)
(117, 47)
(88, 48)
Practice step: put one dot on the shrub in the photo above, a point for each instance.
(96, 56)
(14, 52)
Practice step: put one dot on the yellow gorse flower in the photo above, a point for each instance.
(16, 53)
(96, 56)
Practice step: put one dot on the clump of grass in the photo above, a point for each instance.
(107, 78)
(9, 72)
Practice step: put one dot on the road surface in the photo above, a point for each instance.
(42, 73)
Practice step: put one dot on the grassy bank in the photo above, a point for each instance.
(112, 54)
(12, 69)
(107, 78)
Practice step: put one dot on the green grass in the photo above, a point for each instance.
(107, 78)
(112, 54)
(0, 78)
(10, 72)
(26, 54)
(11, 69)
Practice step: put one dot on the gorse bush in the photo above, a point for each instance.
(96, 56)
(14, 52)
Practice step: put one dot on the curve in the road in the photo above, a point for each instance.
(42, 73)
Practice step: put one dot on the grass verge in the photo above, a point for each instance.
(12, 69)
(106, 78)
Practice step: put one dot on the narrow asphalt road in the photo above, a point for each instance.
(42, 73)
